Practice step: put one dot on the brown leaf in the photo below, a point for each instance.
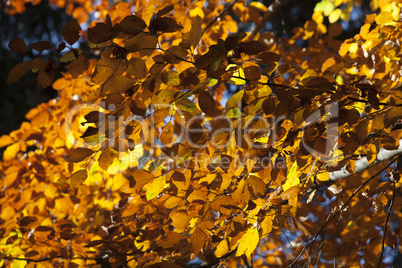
(268, 105)
(41, 45)
(252, 73)
(252, 47)
(18, 71)
(46, 77)
(138, 107)
(206, 103)
(95, 116)
(174, 54)
(164, 25)
(137, 68)
(79, 65)
(99, 33)
(132, 25)
(104, 69)
(71, 32)
(78, 154)
(165, 11)
(18, 45)
(27, 220)
(267, 57)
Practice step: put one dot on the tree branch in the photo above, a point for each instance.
(220, 15)
(363, 163)
(337, 212)
(391, 203)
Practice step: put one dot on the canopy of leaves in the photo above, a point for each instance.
(143, 160)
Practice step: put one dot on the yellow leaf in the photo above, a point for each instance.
(323, 176)
(384, 17)
(292, 179)
(11, 151)
(223, 248)
(248, 242)
(155, 187)
(235, 99)
(266, 226)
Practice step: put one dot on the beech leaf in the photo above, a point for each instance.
(78, 178)
(107, 157)
(18, 45)
(71, 32)
(78, 154)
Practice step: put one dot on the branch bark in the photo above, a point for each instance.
(363, 163)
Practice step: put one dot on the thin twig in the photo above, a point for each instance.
(391, 203)
(338, 211)
(220, 15)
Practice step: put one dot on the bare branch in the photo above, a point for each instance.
(391, 203)
(363, 163)
(338, 211)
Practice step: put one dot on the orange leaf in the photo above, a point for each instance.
(197, 240)
(142, 177)
(107, 157)
(11, 151)
(256, 186)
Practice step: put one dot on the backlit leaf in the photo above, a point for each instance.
(132, 25)
(154, 188)
(248, 242)
(79, 65)
(78, 178)
(142, 177)
(206, 103)
(107, 157)
(71, 32)
(78, 154)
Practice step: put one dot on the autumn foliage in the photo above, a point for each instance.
(145, 159)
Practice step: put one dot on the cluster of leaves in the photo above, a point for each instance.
(159, 169)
